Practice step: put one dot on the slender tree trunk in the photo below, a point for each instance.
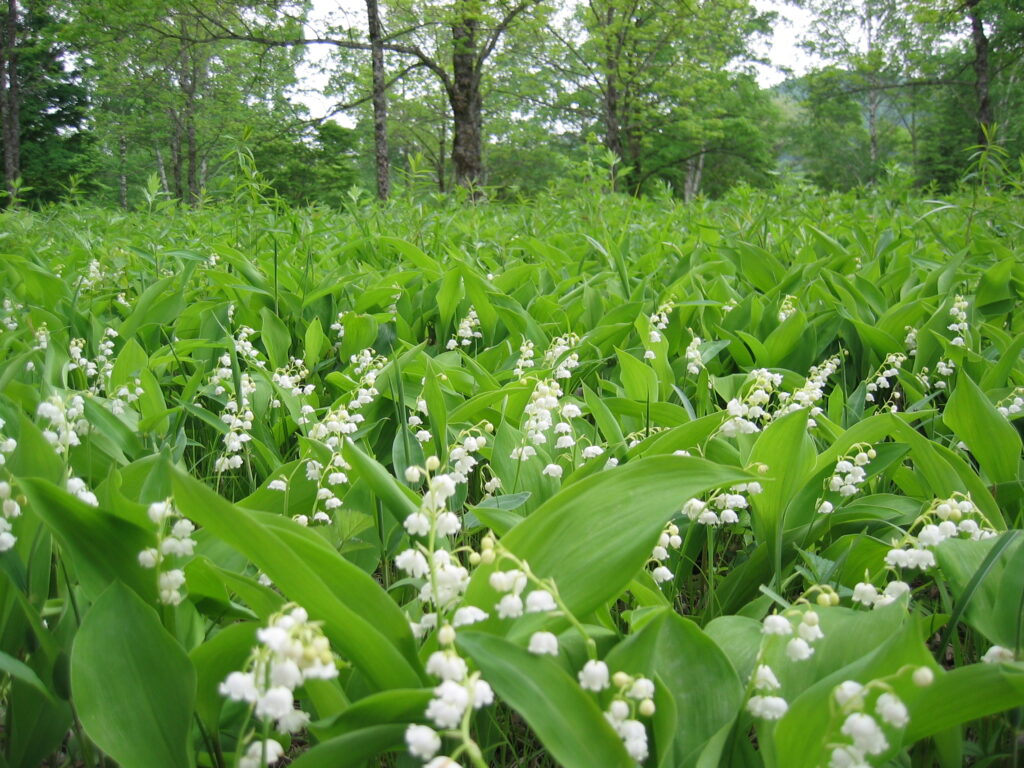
(467, 151)
(610, 95)
(694, 174)
(982, 75)
(873, 104)
(193, 157)
(442, 145)
(161, 170)
(176, 160)
(122, 171)
(380, 102)
(612, 130)
(10, 100)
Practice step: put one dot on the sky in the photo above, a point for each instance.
(781, 49)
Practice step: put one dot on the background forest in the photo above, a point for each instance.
(123, 99)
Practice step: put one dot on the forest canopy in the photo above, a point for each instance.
(124, 98)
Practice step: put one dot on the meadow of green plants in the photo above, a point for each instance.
(583, 481)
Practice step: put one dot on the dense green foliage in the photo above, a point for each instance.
(673, 421)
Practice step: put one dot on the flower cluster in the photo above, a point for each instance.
(634, 698)
(246, 350)
(956, 517)
(237, 413)
(694, 361)
(910, 341)
(7, 444)
(328, 479)
(42, 338)
(239, 421)
(811, 393)
(11, 510)
(747, 414)
(467, 331)
(764, 701)
(867, 594)
(291, 378)
(510, 585)
(102, 365)
(9, 315)
(556, 356)
(787, 308)
(722, 507)
(867, 712)
(525, 361)
(65, 422)
(958, 312)
(119, 400)
(458, 695)
(659, 321)
(445, 584)
(339, 329)
(943, 369)
(669, 538)
(292, 649)
(1012, 404)
(173, 539)
(889, 369)
(848, 477)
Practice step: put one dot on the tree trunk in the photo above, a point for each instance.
(122, 171)
(982, 75)
(467, 151)
(442, 144)
(380, 102)
(612, 130)
(874, 99)
(162, 171)
(176, 161)
(193, 157)
(610, 95)
(694, 174)
(10, 101)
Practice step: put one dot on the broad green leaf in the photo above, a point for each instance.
(689, 665)
(352, 750)
(356, 635)
(593, 536)
(213, 661)
(276, 338)
(133, 685)
(989, 436)
(566, 719)
(21, 671)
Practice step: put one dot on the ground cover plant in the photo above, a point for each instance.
(586, 481)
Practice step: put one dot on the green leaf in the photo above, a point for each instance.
(21, 671)
(103, 548)
(689, 664)
(361, 626)
(639, 380)
(133, 685)
(214, 660)
(593, 536)
(276, 338)
(566, 719)
(314, 342)
(786, 448)
(990, 437)
(399, 500)
(352, 750)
